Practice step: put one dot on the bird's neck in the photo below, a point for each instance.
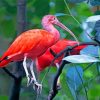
(50, 28)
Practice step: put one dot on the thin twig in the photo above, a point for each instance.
(71, 13)
(88, 66)
(94, 39)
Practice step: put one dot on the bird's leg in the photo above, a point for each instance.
(32, 72)
(26, 71)
(34, 81)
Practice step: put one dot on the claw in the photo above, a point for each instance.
(38, 87)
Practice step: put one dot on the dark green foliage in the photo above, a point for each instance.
(74, 77)
(41, 7)
(7, 18)
(36, 9)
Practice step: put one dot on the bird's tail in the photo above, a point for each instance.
(4, 62)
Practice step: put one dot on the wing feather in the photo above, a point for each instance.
(26, 42)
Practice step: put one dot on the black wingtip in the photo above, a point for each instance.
(5, 58)
(52, 52)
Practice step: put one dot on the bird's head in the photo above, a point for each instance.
(51, 19)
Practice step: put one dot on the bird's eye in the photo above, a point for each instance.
(54, 18)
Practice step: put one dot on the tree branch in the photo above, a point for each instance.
(70, 48)
(15, 92)
(55, 89)
(94, 39)
(21, 26)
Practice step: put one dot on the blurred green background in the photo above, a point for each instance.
(36, 9)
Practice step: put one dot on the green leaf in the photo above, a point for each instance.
(94, 93)
(65, 87)
(88, 74)
(81, 59)
(93, 18)
(74, 79)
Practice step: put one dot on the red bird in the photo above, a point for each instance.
(33, 43)
(45, 60)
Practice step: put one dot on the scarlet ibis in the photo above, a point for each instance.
(45, 60)
(33, 43)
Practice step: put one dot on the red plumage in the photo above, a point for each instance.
(31, 43)
(46, 59)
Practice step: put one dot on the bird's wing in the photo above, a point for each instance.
(25, 42)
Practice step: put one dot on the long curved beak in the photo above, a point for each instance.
(66, 29)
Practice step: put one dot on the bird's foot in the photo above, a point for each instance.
(37, 86)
